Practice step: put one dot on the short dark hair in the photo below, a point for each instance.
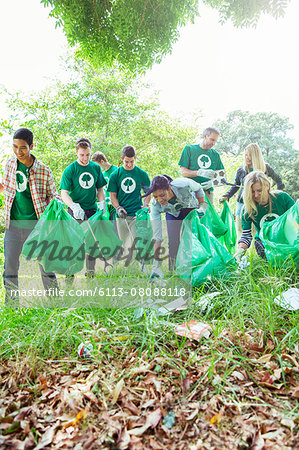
(25, 134)
(83, 143)
(210, 130)
(98, 157)
(128, 151)
(159, 182)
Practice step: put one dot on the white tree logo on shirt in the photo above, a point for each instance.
(268, 218)
(106, 185)
(204, 161)
(128, 185)
(86, 180)
(21, 181)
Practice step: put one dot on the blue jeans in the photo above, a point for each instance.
(174, 225)
(13, 244)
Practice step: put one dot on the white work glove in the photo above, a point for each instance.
(102, 206)
(77, 211)
(239, 253)
(207, 173)
(206, 185)
(156, 269)
(121, 212)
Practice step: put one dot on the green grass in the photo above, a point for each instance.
(245, 300)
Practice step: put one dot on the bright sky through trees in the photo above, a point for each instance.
(215, 68)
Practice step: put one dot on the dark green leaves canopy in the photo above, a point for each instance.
(138, 33)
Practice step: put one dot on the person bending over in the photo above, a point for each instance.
(260, 205)
(253, 160)
(175, 198)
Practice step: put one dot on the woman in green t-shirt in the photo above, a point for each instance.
(260, 205)
(253, 160)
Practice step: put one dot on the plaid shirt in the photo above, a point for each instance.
(41, 182)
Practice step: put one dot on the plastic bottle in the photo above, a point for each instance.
(85, 351)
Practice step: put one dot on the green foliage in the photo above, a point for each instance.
(138, 33)
(245, 13)
(270, 131)
(105, 106)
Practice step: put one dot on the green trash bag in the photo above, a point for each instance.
(281, 238)
(212, 221)
(107, 213)
(201, 256)
(57, 241)
(100, 238)
(229, 239)
(144, 235)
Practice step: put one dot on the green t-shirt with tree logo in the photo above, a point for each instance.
(128, 185)
(281, 202)
(107, 174)
(22, 211)
(82, 183)
(194, 157)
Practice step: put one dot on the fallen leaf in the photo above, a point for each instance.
(152, 421)
(240, 376)
(117, 391)
(216, 419)
(295, 392)
(265, 358)
(124, 440)
(288, 423)
(47, 438)
(80, 416)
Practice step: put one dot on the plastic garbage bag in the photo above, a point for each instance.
(144, 235)
(101, 239)
(212, 221)
(281, 238)
(57, 241)
(229, 239)
(201, 256)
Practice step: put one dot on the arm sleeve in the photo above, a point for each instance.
(101, 180)
(146, 182)
(288, 201)
(219, 164)
(112, 185)
(275, 177)
(195, 187)
(51, 188)
(66, 181)
(246, 237)
(246, 220)
(157, 222)
(185, 158)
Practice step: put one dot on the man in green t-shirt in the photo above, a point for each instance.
(200, 162)
(81, 187)
(125, 187)
(107, 169)
(29, 187)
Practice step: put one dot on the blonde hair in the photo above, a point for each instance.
(256, 156)
(256, 177)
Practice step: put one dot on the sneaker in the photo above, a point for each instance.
(157, 273)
